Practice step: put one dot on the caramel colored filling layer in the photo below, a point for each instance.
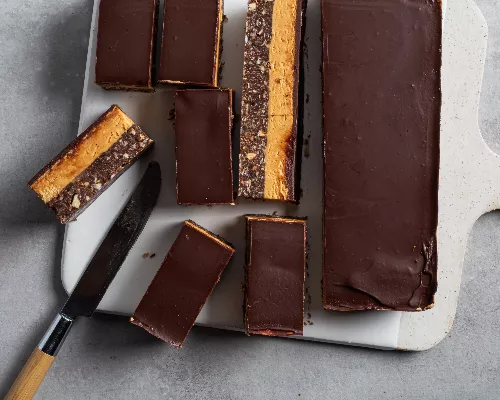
(281, 101)
(96, 141)
(217, 45)
(275, 219)
(208, 234)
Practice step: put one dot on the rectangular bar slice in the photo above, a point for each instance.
(125, 44)
(203, 146)
(89, 164)
(188, 275)
(191, 43)
(381, 107)
(270, 136)
(275, 275)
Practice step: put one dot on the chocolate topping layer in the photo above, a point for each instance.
(188, 275)
(275, 275)
(191, 41)
(203, 123)
(125, 44)
(381, 99)
(255, 97)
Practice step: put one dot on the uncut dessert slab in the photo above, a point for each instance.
(467, 190)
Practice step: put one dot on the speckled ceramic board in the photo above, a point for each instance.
(469, 178)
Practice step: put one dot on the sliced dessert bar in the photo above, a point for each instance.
(275, 274)
(125, 44)
(179, 290)
(270, 134)
(89, 164)
(191, 43)
(381, 107)
(203, 123)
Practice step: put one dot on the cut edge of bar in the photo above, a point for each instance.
(60, 157)
(209, 234)
(276, 218)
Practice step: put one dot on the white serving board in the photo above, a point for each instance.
(469, 178)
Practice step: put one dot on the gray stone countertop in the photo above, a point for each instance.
(43, 48)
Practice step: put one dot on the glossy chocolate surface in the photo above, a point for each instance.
(381, 98)
(188, 275)
(275, 274)
(125, 39)
(189, 51)
(203, 122)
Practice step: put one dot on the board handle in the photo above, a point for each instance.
(40, 361)
(31, 376)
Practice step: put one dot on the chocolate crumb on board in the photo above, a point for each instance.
(307, 154)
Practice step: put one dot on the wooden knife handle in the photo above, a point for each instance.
(35, 369)
(31, 376)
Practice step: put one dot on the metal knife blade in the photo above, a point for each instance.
(93, 284)
(116, 245)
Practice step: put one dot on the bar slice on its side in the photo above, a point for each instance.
(126, 39)
(381, 107)
(179, 290)
(90, 164)
(191, 43)
(203, 146)
(275, 275)
(270, 135)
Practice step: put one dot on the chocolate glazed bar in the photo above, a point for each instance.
(191, 43)
(381, 99)
(125, 44)
(269, 150)
(179, 290)
(203, 146)
(89, 164)
(275, 274)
